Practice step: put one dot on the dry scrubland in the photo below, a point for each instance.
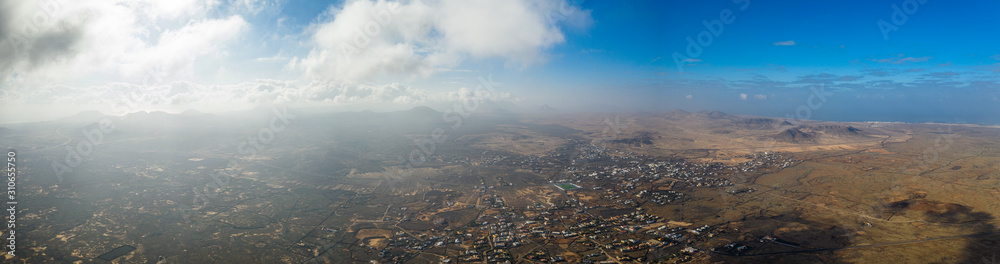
(910, 182)
(655, 187)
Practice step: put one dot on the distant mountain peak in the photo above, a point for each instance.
(794, 135)
(191, 111)
(140, 112)
(678, 111)
(146, 115)
(424, 110)
(715, 114)
(85, 116)
(90, 112)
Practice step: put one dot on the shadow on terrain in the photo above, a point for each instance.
(981, 236)
(805, 241)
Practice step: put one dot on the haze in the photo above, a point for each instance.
(500, 131)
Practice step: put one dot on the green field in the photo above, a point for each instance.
(567, 186)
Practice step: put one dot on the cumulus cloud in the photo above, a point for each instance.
(338, 92)
(901, 59)
(176, 50)
(35, 34)
(745, 97)
(154, 54)
(465, 94)
(365, 39)
(262, 91)
(106, 41)
(785, 43)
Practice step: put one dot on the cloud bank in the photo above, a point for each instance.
(367, 39)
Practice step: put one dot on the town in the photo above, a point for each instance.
(614, 225)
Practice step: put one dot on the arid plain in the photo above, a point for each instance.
(670, 187)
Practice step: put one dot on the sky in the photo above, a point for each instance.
(909, 61)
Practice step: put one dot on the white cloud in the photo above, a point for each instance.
(760, 97)
(333, 94)
(367, 39)
(277, 57)
(785, 43)
(93, 42)
(158, 54)
(177, 50)
(689, 97)
(465, 94)
(743, 96)
(342, 93)
(901, 59)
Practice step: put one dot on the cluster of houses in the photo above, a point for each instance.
(625, 181)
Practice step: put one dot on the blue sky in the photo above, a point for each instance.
(757, 57)
(838, 38)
